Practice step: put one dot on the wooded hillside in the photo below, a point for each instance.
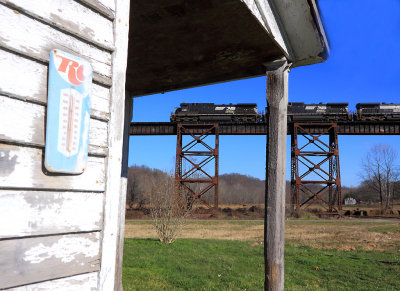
(233, 188)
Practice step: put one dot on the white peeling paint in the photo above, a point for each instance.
(100, 98)
(24, 122)
(108, 3)
(27, 172)
(71, 16)
(27, 79)
(85, 282)
(12, 126)
(37, 39)
(66, 249)
(114, 192)
(22, 77)
(46, 212)
(40, 218)
(37, 259)
(82, 155)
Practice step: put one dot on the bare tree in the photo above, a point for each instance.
(168, 211)
(381, 173)
(133, 188)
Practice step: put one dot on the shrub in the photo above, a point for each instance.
(168, 210)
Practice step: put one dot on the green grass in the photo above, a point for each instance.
(191, 265)
(194, 264)
(312, 269)
(385, 229)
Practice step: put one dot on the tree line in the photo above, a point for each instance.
(233, 188)
(380, 174)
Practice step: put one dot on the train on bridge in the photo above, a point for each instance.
(297, 112)
(210, 112)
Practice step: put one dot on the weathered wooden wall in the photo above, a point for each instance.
(51, 226)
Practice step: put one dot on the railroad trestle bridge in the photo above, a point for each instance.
(311, 156)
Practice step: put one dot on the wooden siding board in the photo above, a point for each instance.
(70, 16)
(42, 205)
(41, 213)
(108, 3)
(22, 167)
(105, 7)
(24, 122)
(84, 282)
(100, 100)
(98, 137)
(36, 39)
(36, 259)
(26, 79)
(23, 78)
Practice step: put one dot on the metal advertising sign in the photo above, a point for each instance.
(68, 113)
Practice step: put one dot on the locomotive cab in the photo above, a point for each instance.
(377, 111)
(330, 112)
(210, 112)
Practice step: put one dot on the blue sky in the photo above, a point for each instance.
(363, 66)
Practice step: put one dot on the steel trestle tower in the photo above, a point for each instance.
(315, 167)
(186, 179)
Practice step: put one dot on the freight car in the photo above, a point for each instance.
(377, 111)
(330, 112)
(210, 112)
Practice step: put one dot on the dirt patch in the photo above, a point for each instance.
(242, 212)
(209, 230)
(347, 236)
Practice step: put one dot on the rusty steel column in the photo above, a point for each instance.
(178, 163)
(336, 168)
(293, 170)
(331, 170)
(320, 160)
(216, 172)
(196, 174)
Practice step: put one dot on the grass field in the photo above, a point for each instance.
(220, 255)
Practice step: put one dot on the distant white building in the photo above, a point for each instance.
(350, 201)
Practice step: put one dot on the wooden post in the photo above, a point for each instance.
(124, 185)
(114, 191)
(275, 189)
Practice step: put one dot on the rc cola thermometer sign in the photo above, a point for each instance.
(68, 113)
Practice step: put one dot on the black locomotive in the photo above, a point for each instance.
(330, 112)
(377, 111)
(210, 112)
(296, 112)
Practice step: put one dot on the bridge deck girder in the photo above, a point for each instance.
(348, 128)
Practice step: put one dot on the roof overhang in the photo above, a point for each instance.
(303, 30)
(178, 44)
